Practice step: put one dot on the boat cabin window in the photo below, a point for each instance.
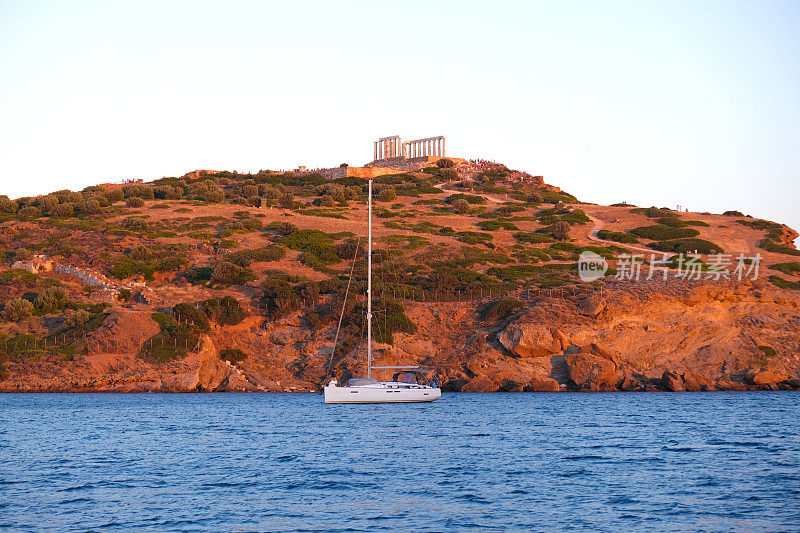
(405, 377)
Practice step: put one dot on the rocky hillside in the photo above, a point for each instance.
(226, 281)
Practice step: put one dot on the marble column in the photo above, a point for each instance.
(443, 150)
(376, 151)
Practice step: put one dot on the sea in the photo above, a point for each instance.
(717, 461)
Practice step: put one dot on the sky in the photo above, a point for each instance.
(651, 102)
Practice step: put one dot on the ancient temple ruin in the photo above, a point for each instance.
(388, 148)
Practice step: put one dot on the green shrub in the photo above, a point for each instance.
(449, 174)
(533, 238)
(138, 190)
(90, 206)
(17, 310)
(445, 163)
(560, 231)
(64, 210)
(573, 217)
(124, 267)
(529, 255)
(245, 258)
(206, 191)
(226, 273)
(784, 283)
(760, 224)
(473, 237)
(134, 201)
(29, 213)
(53, 299)
(792, 269)
(662, 233)
(7, 206)
(409, 242)
(533, 198)
(768, 351)
(316, 247)
(676, 222)
(686, 246)
(186, 313)
(617, 236)
(232, 355)
(124, 295)
(171, 343)
(199, 275)
(772, 246)
(461, 206)
(114, 195)
(279, 297)
(470, 198)
(387, 194)
(390, 318)
(500, 309)
(494, 225)
(163, 320)
(733, 214)
(654, 212)
(77, 317)
(225, 312)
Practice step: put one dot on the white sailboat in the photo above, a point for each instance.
(403, 387)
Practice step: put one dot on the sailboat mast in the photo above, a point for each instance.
(369, 284)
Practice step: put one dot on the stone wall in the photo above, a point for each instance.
(35, 265)
(354, 172)
(397, 165)
(416, 163)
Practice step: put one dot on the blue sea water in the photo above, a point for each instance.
(287, 462)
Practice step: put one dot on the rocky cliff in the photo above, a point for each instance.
(633, 337)
(234, 282)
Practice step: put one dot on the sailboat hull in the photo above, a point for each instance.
(381, 393)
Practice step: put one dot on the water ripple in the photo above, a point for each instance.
(242, 462)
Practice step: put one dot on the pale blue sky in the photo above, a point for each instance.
(665, 103)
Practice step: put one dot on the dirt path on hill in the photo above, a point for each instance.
(489, 197)
(598, 225)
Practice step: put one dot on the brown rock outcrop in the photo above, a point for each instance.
(590, 371)
(696, 383)
(540, 381)
(480, 384)
(531, 340)
(591, 306)
(765, 377)
(672, 382)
